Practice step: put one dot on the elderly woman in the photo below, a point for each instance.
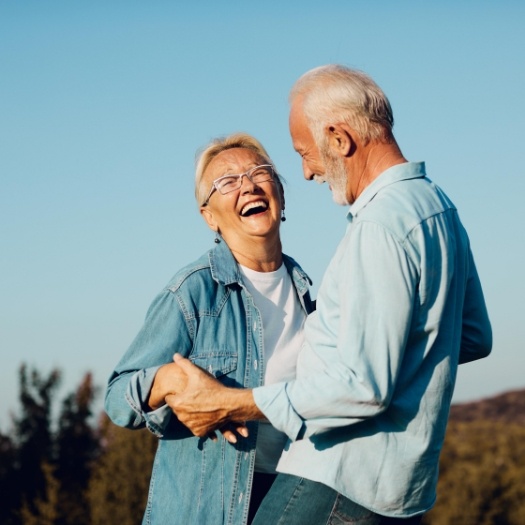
(237, 312)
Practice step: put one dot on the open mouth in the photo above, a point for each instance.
(253, 208)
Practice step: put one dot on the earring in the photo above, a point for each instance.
(283, 217)
(217, 239)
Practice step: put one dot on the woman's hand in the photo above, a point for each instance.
(169, 380)
(206, 405)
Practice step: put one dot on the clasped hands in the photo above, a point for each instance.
(199, 401)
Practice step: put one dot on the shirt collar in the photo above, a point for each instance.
(399, 172)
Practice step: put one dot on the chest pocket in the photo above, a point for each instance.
(216, 363)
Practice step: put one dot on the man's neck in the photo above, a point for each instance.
(376, 158)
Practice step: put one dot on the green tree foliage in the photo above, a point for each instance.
(90, 472)
(482, 475)
(77, 447)
(45, 508)
(8, 488)
(39, 463)
(79, 474)
(120, 480)
(32, 438)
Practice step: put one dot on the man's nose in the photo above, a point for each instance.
(308, 173)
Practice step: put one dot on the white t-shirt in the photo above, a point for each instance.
(283, 320)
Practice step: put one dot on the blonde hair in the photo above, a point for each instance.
(220, 144)
(335, 93)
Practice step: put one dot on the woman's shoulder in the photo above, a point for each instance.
(193, 273)
(295, 269)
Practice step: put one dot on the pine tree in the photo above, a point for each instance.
(120, 480)
(33, 436)
(8, 474)
(45, 508)
(76, 449)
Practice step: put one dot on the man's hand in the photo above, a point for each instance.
(206, 405)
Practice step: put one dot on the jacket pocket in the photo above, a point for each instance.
(217, 363)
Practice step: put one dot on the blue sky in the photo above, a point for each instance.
(103, 105)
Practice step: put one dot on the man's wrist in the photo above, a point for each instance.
(242, 406)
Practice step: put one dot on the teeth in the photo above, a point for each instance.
(251, 205)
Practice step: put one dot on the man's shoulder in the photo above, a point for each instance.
(405, 204)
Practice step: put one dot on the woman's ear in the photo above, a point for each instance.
(281, 196)
(207, 215)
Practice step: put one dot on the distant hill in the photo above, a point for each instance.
(503, 408)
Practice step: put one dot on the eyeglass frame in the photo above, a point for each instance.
(239, 176)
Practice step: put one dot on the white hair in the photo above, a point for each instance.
(335, 93)
(220, 144)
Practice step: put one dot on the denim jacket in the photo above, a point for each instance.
(206, 314)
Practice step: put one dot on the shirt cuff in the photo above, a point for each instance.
(273, 402)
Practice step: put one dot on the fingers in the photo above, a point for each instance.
(194, 422)
(229, 435)
(184, 364)
(189, 369)
(241, 429)
(181, 360)
(234, 429)
(231, 431)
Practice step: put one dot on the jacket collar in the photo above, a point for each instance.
(225, 270)
(224, 267)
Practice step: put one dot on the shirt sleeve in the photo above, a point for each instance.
(163, 333)
(348, 369)
(476, 334)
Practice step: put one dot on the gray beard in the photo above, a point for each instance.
(337, 177)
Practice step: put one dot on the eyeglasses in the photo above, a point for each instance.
(229, 183)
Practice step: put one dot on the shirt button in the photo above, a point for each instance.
(255, 365)
(240, 497)
(254, 326)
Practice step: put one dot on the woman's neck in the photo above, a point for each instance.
(263, 256)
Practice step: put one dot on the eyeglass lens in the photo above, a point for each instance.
(257, 175)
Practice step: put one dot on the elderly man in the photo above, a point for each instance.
(399, 307)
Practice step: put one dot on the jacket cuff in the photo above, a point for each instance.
(137, 394)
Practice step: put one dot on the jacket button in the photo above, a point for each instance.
(255, 365)
(254, 326)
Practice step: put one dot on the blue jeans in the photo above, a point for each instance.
(299, 501)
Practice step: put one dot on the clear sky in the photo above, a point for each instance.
(103, 105)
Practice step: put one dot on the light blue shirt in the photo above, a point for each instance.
(399, 307)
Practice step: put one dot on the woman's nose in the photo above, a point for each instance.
(247, 185)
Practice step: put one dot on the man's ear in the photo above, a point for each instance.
(339, 139)
(207, 215)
